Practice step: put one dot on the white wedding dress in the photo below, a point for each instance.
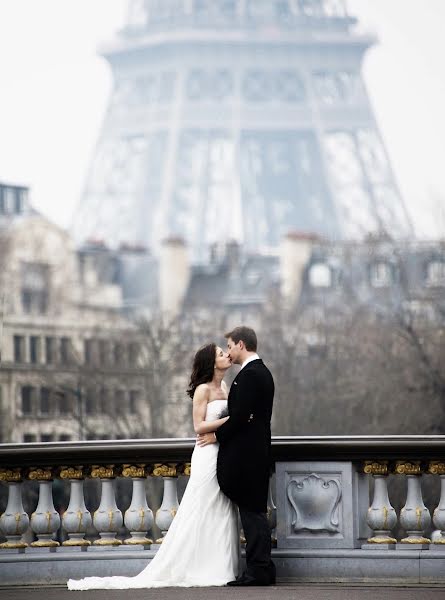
(201, 548)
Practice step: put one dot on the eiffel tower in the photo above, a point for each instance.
(238, 120)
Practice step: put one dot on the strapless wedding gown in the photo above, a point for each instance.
(201, 548)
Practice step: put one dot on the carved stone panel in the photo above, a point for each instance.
(318, 505)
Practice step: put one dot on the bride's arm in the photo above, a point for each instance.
(200, 400)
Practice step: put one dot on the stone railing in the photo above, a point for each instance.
(333, 518)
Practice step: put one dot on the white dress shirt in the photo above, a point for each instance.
(250, 359)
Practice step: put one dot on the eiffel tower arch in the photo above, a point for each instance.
(238, 119)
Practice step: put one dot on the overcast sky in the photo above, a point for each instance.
(54, 90)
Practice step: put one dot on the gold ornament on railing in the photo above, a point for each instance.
(11, 474)
(408, 468)
(376, 467)
(72, 472)
(40, 474)
(139, 470)
(165, 470)
(104, 471)
(436, 467)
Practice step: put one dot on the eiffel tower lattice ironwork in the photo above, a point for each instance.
(238, 119)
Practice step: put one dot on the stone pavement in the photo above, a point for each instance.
(279, 592)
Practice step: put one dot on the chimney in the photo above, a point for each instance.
(233, 255)
(174, 275)
(295, 252)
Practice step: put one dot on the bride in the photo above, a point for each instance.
(201, 548)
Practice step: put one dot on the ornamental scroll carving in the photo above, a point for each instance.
(315, 502)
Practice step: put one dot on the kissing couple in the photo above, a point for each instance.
(229, 472)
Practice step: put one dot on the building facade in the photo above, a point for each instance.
(70, 366)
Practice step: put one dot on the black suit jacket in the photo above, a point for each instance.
(243, 467)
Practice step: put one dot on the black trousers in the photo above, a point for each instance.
(258, 545)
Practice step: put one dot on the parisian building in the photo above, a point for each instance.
(69, 359)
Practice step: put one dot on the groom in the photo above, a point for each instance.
(243, 466)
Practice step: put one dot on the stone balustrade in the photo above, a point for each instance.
(331, 514)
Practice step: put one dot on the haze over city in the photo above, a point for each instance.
(56, 88)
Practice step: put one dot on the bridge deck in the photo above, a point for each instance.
(279, 592)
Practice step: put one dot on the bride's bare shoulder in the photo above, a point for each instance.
(202, 393)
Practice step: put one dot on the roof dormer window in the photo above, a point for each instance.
(435, 273)
(381, 274)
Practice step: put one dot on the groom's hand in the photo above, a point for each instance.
(203, 439)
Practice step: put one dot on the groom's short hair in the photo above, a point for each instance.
(246, 334)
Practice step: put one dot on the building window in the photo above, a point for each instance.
(46, 437)
(88, 351)
(44, 401)
(8, 200)
(134, 401)
(35, 284)
(381, 275)
(103, 352)
(133, 354)
(21, 200)
(27, 393)
(119, 398)
(435, 273)
(19, 348)
(65, 351)
(104, 401)
(49, 350)
(34, 349)
(320, 275)
(64, 437)
(119, 355)
(90, 402)
(29, 438)
(63, 403)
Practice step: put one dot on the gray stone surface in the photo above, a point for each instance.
(296, 565)
(320, 505)
(280, 592)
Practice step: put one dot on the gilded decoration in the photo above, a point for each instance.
(415, 540)
(45, 544)
(72, 472)
(76, 542)
(135, 471)
(107, 542)
(376, 467)
(40, 474)
(11, 474)
(165, 470)
(382, 540)
(184, 469)
(13, 545)
(103, 471)
(408, 468)
(134, 541)
(436, 467)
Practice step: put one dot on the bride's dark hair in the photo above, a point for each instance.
(203, 367)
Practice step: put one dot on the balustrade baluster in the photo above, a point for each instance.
(381, 516)
(138, 517)
(76, 518)
(167, 511)
(14, 521)
(45, 520)
(438, 468)
(107, 519)
(414, 516)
